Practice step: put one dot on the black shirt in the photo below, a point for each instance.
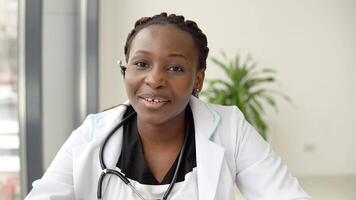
(132, 162)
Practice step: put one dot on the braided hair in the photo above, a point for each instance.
(179, 21)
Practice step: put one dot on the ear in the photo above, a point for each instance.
(199, 79)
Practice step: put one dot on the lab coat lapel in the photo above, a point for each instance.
(209, 154)
(112, 149)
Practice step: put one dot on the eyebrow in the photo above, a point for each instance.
(169, 55)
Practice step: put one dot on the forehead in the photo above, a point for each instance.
(164, 39)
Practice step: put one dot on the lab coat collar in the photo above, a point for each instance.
(209, 154)
(113, 147)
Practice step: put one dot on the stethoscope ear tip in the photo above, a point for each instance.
(122, 67)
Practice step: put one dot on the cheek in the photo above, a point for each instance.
(130, 86)
(184, 86)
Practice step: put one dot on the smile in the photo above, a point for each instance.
(154, 102)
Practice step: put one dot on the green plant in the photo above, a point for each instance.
(245, 89)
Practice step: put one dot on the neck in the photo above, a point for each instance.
(168, 134)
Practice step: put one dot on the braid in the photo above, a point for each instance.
(179, 21)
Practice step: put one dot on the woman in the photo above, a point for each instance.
(171, 145)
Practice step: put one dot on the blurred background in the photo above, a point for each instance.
(58, 64)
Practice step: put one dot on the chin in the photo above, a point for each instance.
(153, 119)
(157, 118)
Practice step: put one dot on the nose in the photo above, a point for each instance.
(155, 78)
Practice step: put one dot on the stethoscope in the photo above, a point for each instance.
(106, 171)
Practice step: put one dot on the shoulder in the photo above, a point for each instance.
(234, 123)
(95, 124)
(226, 114)
(225, 121)
(242, 143)
(226, 111)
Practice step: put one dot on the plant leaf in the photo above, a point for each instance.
(244, 87)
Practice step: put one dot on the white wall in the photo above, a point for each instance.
(59, 63)
(311, 44)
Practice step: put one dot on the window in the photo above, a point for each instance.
(9, 123)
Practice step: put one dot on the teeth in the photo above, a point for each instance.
(153, 100)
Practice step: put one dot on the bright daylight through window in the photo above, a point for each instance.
(9, 125)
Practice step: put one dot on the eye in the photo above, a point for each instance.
(175, 68)
(141, 64)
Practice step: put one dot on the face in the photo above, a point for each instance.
(162, 71)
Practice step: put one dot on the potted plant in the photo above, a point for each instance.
(245, 88)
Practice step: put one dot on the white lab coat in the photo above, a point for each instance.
(228, 150)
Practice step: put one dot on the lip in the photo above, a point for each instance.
(152, 101)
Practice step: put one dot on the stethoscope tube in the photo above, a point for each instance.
(101, 153)
(101, 158)
(175, 176)
(106, 171)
